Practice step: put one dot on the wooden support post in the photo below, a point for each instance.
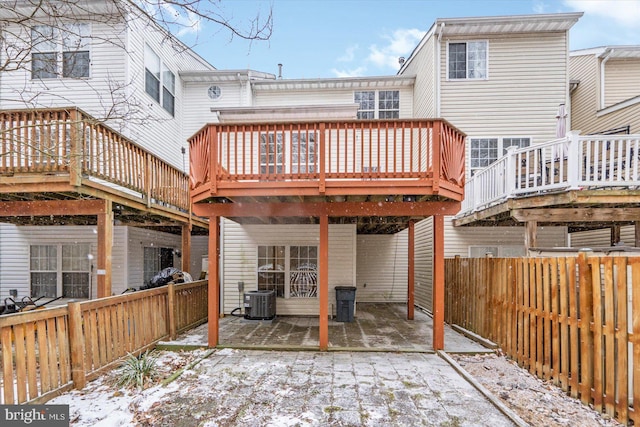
(637, 234)
(323, 292)
(171, 308)
(615, 234)
(531, 235)
(105, 249)
(438, 282)
(411, 272)
(186, 248)
(76, 346)
(214, 280)
(585, 324)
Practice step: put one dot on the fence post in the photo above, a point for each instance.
(76, 344)
(586, 335)
(171, 300)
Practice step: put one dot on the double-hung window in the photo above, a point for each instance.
(60, 270)
(159, 81)
(383, 104)
(484, 151)
(60, 52)
(291, 271)
(467, 60)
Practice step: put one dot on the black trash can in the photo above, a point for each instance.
(345, 303)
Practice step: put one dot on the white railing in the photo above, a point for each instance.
(574, 162)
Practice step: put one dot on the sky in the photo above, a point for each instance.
(340, 38)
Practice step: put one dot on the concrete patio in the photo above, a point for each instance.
(376, 327)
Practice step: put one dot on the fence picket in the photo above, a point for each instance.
(43, 350)
(572, 320)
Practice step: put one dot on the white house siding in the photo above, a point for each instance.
(14, 252)
(197, 110)
(422, 66)
(137, 240)
(621, 80)
(93, 94)
(14, 262)
(280, 98)
(381, 266)
(602, 238)
(584, 99)
(127, 259)
(155, 128)
(239, 260)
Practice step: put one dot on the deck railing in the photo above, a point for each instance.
(44, 352)
(322, 152)
(574, 321)
(69, 141)
(574, 162)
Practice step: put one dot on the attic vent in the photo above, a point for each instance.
(214, 92)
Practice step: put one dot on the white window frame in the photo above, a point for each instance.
(166, 80)
(289, 273)
(486, 60)
(376, 110)
(55, 44)
(500, 149)
(64, 264)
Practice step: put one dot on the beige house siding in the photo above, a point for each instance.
(381, 267)
(602, 237)
(424, 263)
(239, 260)
(422, 66)
(621, 80)
(508, 241)
(527, 80)
(585, 98)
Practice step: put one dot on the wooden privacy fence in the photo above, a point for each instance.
(573, 321)
(46, 352)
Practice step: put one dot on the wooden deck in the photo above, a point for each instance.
(582, 181)
(65, 154)
(303, 165)
(62, 166)
(380, 174)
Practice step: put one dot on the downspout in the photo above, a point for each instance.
(249, 91)
(605, 57)
(439, 32)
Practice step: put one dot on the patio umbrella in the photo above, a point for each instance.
(561, 130)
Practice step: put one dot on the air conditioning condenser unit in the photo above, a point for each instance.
(260, 305)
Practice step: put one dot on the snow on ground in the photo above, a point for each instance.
(103, 404)
(283, 389)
